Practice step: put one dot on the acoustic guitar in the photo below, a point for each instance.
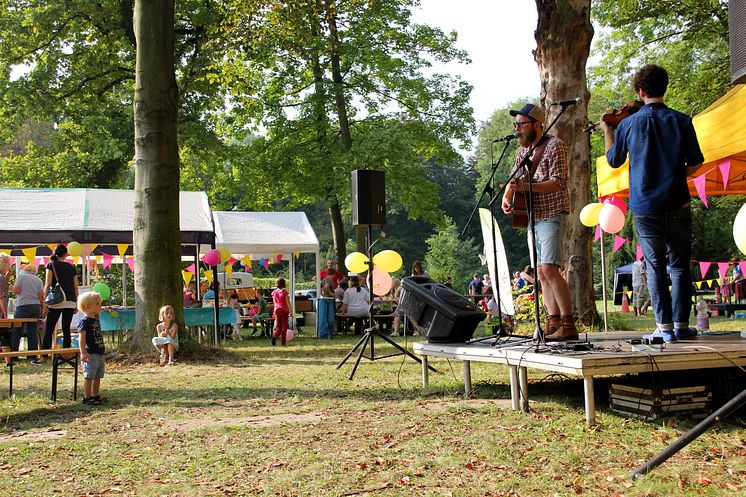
(520, 202)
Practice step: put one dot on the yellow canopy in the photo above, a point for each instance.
(721, 131)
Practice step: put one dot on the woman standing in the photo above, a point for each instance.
(60, 271)
(29, 291)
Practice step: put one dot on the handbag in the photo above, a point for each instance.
(56, 294)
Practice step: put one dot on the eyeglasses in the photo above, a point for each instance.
(519, 125)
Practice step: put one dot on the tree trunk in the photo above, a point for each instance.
(563, 37)
(338, 235)
(156, 236)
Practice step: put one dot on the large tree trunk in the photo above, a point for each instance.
(563, 38)
(156, 233)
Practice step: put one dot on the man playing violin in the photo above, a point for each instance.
(663, 150)
(550, 201)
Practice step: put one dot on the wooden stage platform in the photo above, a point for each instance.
(609, 354)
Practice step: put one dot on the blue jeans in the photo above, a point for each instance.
(326, 317)
(660, 233)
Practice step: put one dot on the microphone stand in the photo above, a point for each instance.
(490, 190)
(526, 165)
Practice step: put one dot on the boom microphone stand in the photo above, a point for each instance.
(490, 190)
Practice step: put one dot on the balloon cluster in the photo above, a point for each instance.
(216, 256)
(384, 262)
(609, 214)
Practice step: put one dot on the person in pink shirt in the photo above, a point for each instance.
(281, 303)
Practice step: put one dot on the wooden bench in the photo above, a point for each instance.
(728, 309)
(59, 357)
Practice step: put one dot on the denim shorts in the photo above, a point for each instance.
(547, 241)
(94, 368)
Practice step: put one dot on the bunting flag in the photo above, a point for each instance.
(698, 284)
(742, 265)
(38, 261)
(52, 246)
(618, 243)
(703, 268)
(719, 281)
(261, 262)
(76, 260)
(190, 268)
(266, 264)
(30, 253)
(12, 261)
(638, 252)
(229, 270)
(629, 295)
(122, 249)
(699, 184)
(107, 260)
(208, 275)
(598, 233)
(724, 166)
(297, 254)
(88, 248)
(278, 258)
(187, 275)
(131, 263)
(246, 261)
(723, 267)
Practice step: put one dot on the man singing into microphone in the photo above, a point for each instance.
(550, 201)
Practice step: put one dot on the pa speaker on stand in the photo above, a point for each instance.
(368, 198)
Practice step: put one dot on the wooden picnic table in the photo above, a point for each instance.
(60, 357)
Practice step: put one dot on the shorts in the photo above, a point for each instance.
(94, 368)
(547, 241)
(639, 295)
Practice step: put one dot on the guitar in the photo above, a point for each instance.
(520, 202)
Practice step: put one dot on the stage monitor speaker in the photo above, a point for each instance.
(737, 28)
(439, 312)
(368, 198)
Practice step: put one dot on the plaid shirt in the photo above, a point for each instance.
(553, 166)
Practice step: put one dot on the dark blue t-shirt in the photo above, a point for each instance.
(94, 339)
(661, 142)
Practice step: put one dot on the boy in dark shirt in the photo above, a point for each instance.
(91, 345)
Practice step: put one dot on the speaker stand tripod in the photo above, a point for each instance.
(368, 338)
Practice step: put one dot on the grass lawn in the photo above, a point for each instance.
(283, 421)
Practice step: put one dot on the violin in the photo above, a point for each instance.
(613, 117)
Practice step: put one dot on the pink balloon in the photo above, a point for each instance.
(617, 201)
(211, 258)
(611, 218)
(381, 282)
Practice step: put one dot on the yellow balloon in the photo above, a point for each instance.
(589, 214)
(74, 249)
(225, 254)
(739, 229)
(388, 260)
(356, 262)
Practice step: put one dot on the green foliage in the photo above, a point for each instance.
(450, 256)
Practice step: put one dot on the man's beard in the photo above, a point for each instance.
(527, 137)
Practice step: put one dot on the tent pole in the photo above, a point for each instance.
(603, 282)
(124, 282)
(318, 289)
(292, 291)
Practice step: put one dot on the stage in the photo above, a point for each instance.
(608, 354)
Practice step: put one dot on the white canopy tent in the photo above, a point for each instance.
(263, 234)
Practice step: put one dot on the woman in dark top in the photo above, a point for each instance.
(68, 278)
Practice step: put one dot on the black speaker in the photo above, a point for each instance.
(737, 28)
(438, 312)
(368, 197)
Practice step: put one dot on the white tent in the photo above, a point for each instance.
(263, 234)
(31, 216)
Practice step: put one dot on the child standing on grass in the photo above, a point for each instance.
(233, 302)
(259, 310)
(281, 302)
(91, 346)
(167, 341)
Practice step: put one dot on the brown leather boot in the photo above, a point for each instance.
(566, 331)
(553, 323)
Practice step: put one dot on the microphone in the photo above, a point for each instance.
(568, 103)
(506, 138)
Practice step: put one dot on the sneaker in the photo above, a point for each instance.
(668, 336)
(685, 333)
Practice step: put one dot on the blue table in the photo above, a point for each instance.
(124, 319)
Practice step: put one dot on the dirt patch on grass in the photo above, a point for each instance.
(254, 421)
(33, 436)
(467, 404)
